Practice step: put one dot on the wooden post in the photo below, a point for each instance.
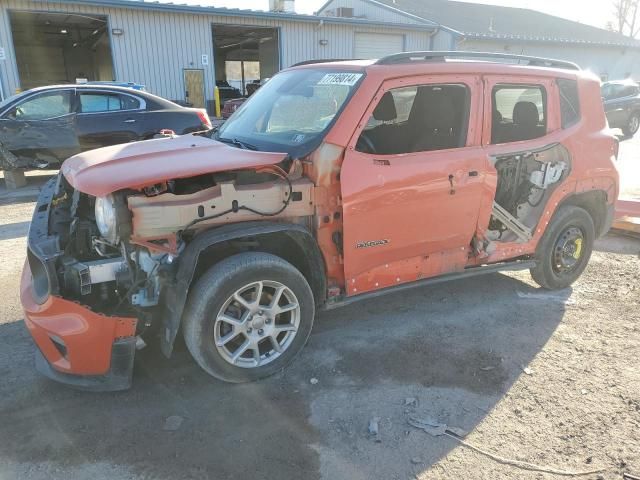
(216, 96)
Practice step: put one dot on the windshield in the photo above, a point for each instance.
(613, 90)
(292, 111)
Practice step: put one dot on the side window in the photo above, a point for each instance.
(569, 102)
(43, 106)
(129, 103)
(106, 102)
(417, 119)
(617, 91)
(519, 112)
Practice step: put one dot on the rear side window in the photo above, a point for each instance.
(569, 102)
(519, 112)
(106, 102)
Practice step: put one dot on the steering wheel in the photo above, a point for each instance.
(365, 144)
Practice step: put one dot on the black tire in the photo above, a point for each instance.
(208, 296)
(546, 273)
(632, 126)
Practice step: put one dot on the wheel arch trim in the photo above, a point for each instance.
(591, 200)
(177, 293)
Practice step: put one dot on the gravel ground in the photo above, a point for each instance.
(551, 379)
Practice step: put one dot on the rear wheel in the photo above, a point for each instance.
(248, 317)
(565, 248)
(632, 125)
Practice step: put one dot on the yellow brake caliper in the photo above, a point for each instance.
(578, 250)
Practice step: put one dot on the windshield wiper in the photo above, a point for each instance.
(237, 143)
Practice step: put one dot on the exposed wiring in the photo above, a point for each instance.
(143, 281)
(274, 170)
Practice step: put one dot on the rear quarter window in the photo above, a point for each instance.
(569, 102)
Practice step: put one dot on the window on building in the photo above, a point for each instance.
(242, 73)
(43, 106)
(569, 102)
(417, 119)
(106, 102)
(519, 112)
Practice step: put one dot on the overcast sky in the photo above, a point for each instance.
(593, 12)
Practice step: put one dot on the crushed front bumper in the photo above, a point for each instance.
(76, 345)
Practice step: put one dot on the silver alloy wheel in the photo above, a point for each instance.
(257, 324)
(634, 123)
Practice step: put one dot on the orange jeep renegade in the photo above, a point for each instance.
(335, 182)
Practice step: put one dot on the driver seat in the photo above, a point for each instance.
(384, 136)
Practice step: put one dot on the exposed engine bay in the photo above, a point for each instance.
(117, 252)
(525, 182)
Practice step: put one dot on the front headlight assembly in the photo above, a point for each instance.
(107, 218)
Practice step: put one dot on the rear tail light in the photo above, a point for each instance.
(204, 118)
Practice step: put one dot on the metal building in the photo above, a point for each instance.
(179, 52)
(491, 28)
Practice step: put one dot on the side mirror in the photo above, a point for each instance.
(12, 114)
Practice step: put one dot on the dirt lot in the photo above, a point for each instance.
(547, 379)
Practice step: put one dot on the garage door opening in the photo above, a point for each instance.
(377, 45)
(244, 58)
(54, 48)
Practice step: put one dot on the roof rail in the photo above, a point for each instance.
(441, 56)
(322, 60)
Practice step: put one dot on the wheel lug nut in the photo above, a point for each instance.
(249, 330)
(267, 321)
(260, 332)
(260, 312)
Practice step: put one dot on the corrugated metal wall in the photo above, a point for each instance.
(156, 46)
(443, 40)
(614, 62)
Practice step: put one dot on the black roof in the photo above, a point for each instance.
(479, 21)
(150, 98)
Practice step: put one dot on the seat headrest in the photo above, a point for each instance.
(497, 116)
(526, 114)
(385, 111)
(440, 113)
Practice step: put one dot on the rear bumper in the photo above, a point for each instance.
(77, 346)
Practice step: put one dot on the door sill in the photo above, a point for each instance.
(343, 301)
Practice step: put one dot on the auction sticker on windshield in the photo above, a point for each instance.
(347, 79)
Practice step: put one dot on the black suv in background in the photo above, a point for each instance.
(44, 126)
(622, 105)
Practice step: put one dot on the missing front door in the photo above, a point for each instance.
(194, 87)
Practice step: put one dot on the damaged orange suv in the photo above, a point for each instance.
(335, 182)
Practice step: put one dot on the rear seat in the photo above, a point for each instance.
(526, 124)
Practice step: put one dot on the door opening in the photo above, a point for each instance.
(56, 48)
(245, 56)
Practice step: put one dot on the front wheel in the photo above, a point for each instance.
(565, 248)
(632, 125)
(248, 316)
